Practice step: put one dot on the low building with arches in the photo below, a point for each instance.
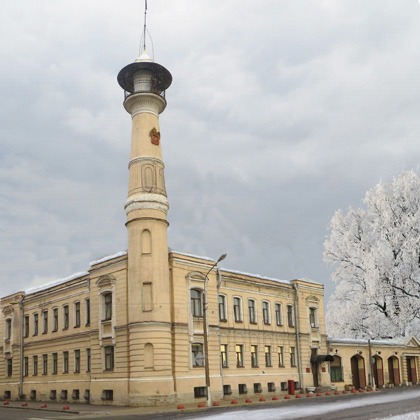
(385, 363)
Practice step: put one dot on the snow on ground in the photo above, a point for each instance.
(408, 416)
(286, 412)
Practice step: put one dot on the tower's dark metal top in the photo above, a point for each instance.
(161, 77)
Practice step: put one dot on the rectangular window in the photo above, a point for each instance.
(279, 317)
(35, 360)
(239, 348)
(77, 314)
(254, 356)
(290, 316)
(26, 332)
(88, 360)
(65, 317)
(271, 387)
(109, 358)
(224, 355)
(200, 391)
(107, 306)
(222, 308)
(196, 303)
(77, 361)
(280, 355)
(237, 309)
(55, 319)
(292, 356)
(26, 366)
(147, 297)
(312, 317)
(242, 389)
(251, 311)
(9, 367)
(197, 354)
(266, 313)
(35, 324)
(45, 364)
(8, 334)
(55, 363)
(44, 322)
(65, 362)
(267, 352)
(87, 312)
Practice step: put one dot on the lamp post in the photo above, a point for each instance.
(205, 332)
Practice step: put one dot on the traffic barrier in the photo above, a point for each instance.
(309, 395)
(262, 399)
(24, 404)
(216, 403)
(318, 394)
(234, 402)
(275, 398)
(353, 391)
(344, 392)
(361, 390)
(287, 397)
(66, 407)
(248, 400)
(6, 403)
(336, 393)
(43, 405)
(201, 405)
(298, 396)
(180, 407)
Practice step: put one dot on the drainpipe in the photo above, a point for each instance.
(219, 282)
(22, 326)
(298, 335)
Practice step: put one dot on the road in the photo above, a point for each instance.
(345, 407)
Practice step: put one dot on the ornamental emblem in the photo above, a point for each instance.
(155, 136)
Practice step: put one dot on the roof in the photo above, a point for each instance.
(397, 341)
(55, 282)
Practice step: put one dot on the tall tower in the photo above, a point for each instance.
(148, 287)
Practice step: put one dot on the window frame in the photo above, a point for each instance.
(77, 314)
(196, 302)
(195, 360)
(8, 329)
(280, 354)
(36, 323)
(55, 319)
(77, 361)
(224, 355)
(66, 317)
(87, 311)
(222, 305)
(266, 309)
(252, 311)
(313, 317)
(66, 367)
(45, 321)
(237, 309)
(45, 364)
(239, 355)
(35, 365)
(278, 310)
(109, 358)
(254, 356)
(290, 315)
(293, 361)
(267, 355)
(54, 363)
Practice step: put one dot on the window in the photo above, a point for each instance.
(292, 356)
(26, 332)
(242, 389)
(87, 312)
(254, 356)
(109, 358)
(25, 366)
(237, 309)
(65, 317)
(107, 306)
(75, 395)
(55, 319)
(44, 322)
(224, 355)
(336, 370)
(279, 315)
(55, 363)
(239, 355)
(77, 314)
(271, 387)
(9, 367)
(45, 364)
(77, 361)
(87, 360)
(267, 352)
(257, 388)
(65, 362)
(35, 360)
(290, 317)
(35, 324)
(222, 308)
(200, 391)
(196, 303)
(312, 317)
(108, 394)
(280, 356)
(227, 390)
(8, 334)
(266, 313)
(197, 354)
(251, 311)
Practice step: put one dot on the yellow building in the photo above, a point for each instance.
(131, 329)
(388, 362)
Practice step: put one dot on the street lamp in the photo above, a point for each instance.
(206, 343)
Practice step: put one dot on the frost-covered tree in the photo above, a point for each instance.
(375, 252)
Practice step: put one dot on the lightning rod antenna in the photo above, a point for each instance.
(144, 26)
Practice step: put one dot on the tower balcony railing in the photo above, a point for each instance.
(127, 94)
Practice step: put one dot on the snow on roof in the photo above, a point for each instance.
(305, 279)
(108, 257)
(191, 255)
(388, 342)
(55, 283)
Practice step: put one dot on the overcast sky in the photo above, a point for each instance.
(280, 113)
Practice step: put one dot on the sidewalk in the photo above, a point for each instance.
(103, 411)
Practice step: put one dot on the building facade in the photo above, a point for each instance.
(131, 329)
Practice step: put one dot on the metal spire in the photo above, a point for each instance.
(144, 26)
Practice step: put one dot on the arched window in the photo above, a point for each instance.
(146, 242)
(222, 308)
(279, 313)
(149, 356)
(107, 306)
(196, 303)
(266, 312)
(252, 312)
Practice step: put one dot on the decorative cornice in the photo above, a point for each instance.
(144, 102)
(142, 201)
(145, 159)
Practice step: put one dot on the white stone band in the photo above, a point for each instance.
(148, 201)
(137, 103)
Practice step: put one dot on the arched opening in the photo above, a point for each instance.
(411, 369)
(146, 242)
(358, 373)
(394, 370)
(378, 370)
(149, 358)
